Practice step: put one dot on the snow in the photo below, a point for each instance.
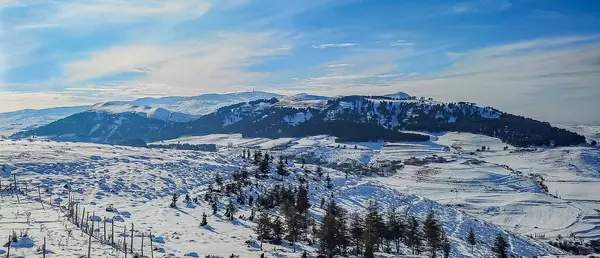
(146, 111)
(491, 191)
(139, 182)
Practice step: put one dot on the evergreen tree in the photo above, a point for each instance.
(320, 172)
(331, 234)
(264, 167)
(328, 179)
(252, 214)
(204, 222)
(433, 233)
(257, 157)
(356, 232)
(471, 240)
(446, 246)
(413, 235)
(374, 227)
(230, 210)
(281, 170)
(277, 230)
(174, 201)
(395, 228)
(219, 180)
(214, 207)
(302, 202)
(263, 228)
(304, 254)
(295, 224)
(500, 247)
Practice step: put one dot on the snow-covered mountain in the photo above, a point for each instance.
(12, 122)
(145, 111)
(351, 118)
(178, 109)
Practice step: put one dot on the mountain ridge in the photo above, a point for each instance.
(370, 118)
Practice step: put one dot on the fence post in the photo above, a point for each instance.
(9, 242)
(104, 238)
(151, 247)
(142, 245)
(90, 240)
(112, 231)
(44, 248)
(131, 245)
(40, 196)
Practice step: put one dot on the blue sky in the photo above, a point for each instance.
(539, 58)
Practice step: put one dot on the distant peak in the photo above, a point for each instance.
(398, 95)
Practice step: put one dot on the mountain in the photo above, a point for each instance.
(202, 104)
(12, 122)
(145, 111)
(350, 118)
(179, 109)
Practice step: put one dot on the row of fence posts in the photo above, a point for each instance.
(83, 223)
(83, 220)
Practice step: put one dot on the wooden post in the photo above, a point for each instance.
(112, 231)
(44, 248)
(9, 242)
(125, 243)
(104, 238)
(131, 245)
(16, 188)
(90, 241)
(125, 238)
(40, 196)
(87, 222)
(142, 245)
(151, 247)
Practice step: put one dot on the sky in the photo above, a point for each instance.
(536, 58)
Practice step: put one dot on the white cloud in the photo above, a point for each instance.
(402, 43)
(35, 26)
(197, 66)
(322, 46)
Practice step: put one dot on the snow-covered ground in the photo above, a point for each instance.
(139, 182)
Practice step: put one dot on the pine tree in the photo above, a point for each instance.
(320, 172)
(263, 228)
(395, 227)
(295, 224)
(374, 227)
(328, 179)
(257, 157)
(331, 235)
(204, 222)
(214, 207)
(471, 240)
(277, 230)
(264, 167)
(446, 246)
(174, 201)
(281, 169)
(433, 233)
(302, 202)
(219, 181)
(500, 247)
(413, 235)
(356, 231)
(304, 254)
(230, 210)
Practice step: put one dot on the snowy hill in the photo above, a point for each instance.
(180, 109)
(145, 111)
(137, 185)
(12, 122)
(371, 117)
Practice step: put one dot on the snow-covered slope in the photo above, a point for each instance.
(145, 111)
(139, 183)
(202, 104)
(12, 122)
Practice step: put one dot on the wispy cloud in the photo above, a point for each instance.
(197, 66)
(322, 46)
(402, 43)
